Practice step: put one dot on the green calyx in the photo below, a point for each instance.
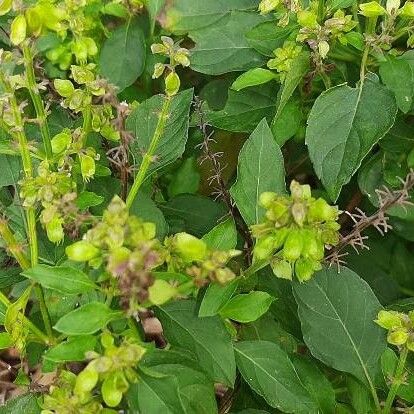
(295, 232)
(400, 327)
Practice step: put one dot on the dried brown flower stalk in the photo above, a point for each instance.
(387, 199)
(220, 190)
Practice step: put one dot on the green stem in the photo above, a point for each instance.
(12, 245)
(371, 23)
(149, 155)
(37, 100)
(30, 211)
(397, 381)
(86, 127)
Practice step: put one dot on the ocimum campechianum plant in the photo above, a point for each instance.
(206, 207)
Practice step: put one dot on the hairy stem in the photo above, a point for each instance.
(149, 155)
(37, 100)
(397, 381)
(30, 211)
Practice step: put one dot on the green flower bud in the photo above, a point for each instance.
(5, 6)
(281, 268)
(61, 142)
(307, 19)
(305, 268)
(264, 248)
(91, 46)
(267, 6)
(161, 292)
(18, 30)
(34, 21)
(313, 248)
(298, 211)
(407, 10)
(81, 251)
(267, 198)
(82, 75)
(190, 248)
(80, 50)
(319, 210)
(158, 70)
(293, 246)
(87, 166)
(86, 381)
(372, 9)
(398, 336)
(107, 340)
(389, 319)
(300, 192)
(172, 84)
(111, 395)
(158, 48)
(54, 230)
(181, 56)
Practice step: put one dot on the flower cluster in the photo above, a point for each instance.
(128, 248)
(400, 327)
(190, 254)
(80, 99)
(295, 232)
(112, 371)
(284, 57)
(48, 188)
(177, 56)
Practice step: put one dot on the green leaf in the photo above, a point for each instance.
(122, 58)
(145, 208)
(143, 122)
(154, 8)
(253, 77)
(155, 393)
(268, 36)
(300, 66)
(223, 236)
(6, 340)
(245, 109)
(269, 372)
(343, 126)
(247, 307)
(222, 47)
(216, 297)
(361, 399)
(88, 199)
(74, 349)
(260, 169)
(186, 179)
(287, 122)
(87, 319)
(189, 15)
(192, 213)
(207, 338)
(398, 76)
(337, 314)
(196, 390)
(318, 386)
(268, 329)
(63, 279)
(24, 404)
(10, 170)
